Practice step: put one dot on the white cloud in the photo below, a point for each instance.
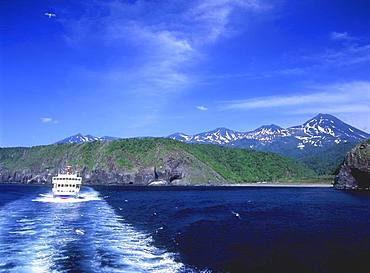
(338, 98)
(347, 56)
(48, 120)
(354, 51)
(168, 38)
(340, 36)
(214, 16)
(202, 108)
(349, 101)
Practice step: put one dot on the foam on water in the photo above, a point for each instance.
(60, 235)
(86, 195)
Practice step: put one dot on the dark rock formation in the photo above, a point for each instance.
(165, 174)
(355, 170)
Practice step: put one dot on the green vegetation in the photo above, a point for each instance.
(239, 165)
(327, 162)
(201, 162)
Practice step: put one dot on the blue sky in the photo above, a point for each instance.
(151, 68)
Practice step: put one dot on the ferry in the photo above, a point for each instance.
(67, 185)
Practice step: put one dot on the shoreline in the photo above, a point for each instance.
(282, 185)
(242, 185)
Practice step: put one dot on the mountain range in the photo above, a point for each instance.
(79, 138)
(319, 131)
(321, 142)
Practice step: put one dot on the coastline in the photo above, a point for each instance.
(282, 185)
(242, 185)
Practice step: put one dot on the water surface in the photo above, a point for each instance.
(132, 229)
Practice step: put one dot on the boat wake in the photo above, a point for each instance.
(87, 194)
(50, 235)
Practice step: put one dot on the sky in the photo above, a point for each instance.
(152, 68)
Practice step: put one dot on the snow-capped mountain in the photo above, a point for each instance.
(79, 138)
(319, 131)
(323, 129)
(180, 137)
(266, 133)
(218, 136)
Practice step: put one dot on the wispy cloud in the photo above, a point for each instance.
(283, 72)
(48, 120)
(340, 36)
(157, 45)
(202, 108)
(351, 51)
(350, 55)
(168, 37)
(213, 16)
(339, 98)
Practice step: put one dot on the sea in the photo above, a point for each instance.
(185, 229)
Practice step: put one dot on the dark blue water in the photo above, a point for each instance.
(185, 230)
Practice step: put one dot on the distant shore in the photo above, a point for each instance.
(256, 184)
(296, 185)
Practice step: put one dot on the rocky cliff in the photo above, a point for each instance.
(173, 172)
(355, 170)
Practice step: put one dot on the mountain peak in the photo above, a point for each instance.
(180, 136)
(271, 127)
(80, 138)
(321, 116)
(326, 128)
(221, 129)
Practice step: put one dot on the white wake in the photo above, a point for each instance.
(86, 195)
(51, 235)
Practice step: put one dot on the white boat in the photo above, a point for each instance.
(67, 185)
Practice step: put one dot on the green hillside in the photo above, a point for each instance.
(200, 163)
(327, 161)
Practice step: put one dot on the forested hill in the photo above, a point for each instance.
(147, 160)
